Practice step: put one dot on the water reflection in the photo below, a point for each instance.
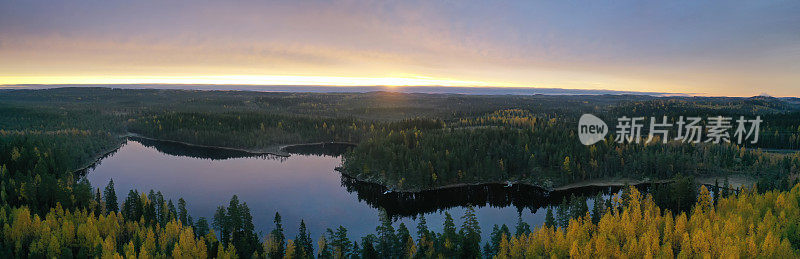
(305, 186)
(520, 197)
(332, 149)
(213, 153)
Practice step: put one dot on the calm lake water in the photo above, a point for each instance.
(304, 186)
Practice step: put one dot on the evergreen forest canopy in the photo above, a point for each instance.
(406, 142)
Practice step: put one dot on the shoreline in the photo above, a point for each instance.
(277, 150)
(592, 183)
(613, 182)
(609, 183)
(264, 151)
(98, 158)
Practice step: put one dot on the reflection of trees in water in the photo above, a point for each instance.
(84, 171)
(521, 197)
(332, 149)
(212, 153)
(217, 153)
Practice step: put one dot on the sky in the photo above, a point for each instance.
(715, 48)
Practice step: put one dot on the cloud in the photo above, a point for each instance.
(718, 47)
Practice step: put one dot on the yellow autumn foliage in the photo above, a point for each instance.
(745, 226)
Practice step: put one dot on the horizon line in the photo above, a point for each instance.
(470, 90)
(466, 90)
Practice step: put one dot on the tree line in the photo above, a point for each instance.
(738, 224)
(518, 147)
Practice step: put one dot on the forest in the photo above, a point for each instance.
(517, 146)
(407, 142)
(742, 224)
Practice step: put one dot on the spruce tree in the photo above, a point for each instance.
(340, 244)
(110, 197)
(598, 208)
(449, 237)
(356, 252)
(549, 220)
(201, 227)
(562, 215)
(303, 247)
(387, 239)
(726, 188)
(422, 228)
(403, 237)
(470, 235)
(522, 227)
(368, 247)
(182, 212)
(220, 223)
(278, 238)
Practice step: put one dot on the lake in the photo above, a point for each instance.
(306, 186)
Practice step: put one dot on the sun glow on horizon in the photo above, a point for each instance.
(673, 47)
(250, 80)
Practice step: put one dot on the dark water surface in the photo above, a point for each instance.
(305, 186)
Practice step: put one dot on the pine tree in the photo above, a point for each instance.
(422, 228)
(522, 227)
(497, 235)
(726, 189)
(494, 240)
(324, 248)
(201, 227)
(598, 208)
(278, 238)
(131, 208)
(549, 220)
(368, 247)
(577, 206)
(173, 215)
(470, 235)
(160, 208)
(303, 246)
(339, 242)
(99, 202)
(246, 239)
(182, 212)
(449, 236)
(562, 215)
(220, 224)
(356, 252)
(403, 237)
(110, 197)
(388, 244)
(423, 235)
